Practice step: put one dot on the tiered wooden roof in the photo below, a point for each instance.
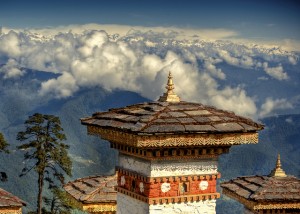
(9, 200)
(93, 189)
(275, 191)
(171, 117)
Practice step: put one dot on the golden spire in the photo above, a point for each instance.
(169, 96)
(278, 171)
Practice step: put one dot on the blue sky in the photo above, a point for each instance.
(277, 19)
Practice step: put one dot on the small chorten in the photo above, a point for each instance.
(170, 95)
(278, 171)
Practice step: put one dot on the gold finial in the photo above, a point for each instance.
(278, 171)
(169, 96)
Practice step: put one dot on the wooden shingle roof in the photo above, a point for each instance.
(9, 200)
(93, 189)
(265, 188)
(171, 118)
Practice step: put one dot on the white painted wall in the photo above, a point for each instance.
(200, 207)
(168, 167)
(129, 205)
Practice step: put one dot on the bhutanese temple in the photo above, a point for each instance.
(168, 152)
(273, 193)
(9, 203)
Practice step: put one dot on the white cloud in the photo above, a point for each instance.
(289, 120)
(235, 99)
(276, 72)
(263, 78)
(271, 105)
(293, 60)
(10, 45)
(87, 58)
(63, 86)
(228, 58)
(123, 30)
(11, 70)
(216, 72)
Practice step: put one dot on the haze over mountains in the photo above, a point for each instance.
(73, 75)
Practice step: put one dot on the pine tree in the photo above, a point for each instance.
(60, 203)
(45, 152)
(3, 145)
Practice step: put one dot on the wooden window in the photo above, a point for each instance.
(184, 188)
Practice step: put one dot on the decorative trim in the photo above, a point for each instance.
(158, 168)
(277, 206)
(131, 194)
(100, 208)
(183, 199)
(173, 140)
(255, 205)
(167, 200)
(171, 153)
(168, 178)
(11, 210)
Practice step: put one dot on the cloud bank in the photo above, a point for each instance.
(139, 60)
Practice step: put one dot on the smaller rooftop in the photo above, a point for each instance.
(93, 189)
(256, 192)
(9, 200)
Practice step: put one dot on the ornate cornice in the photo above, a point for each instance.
(167, 200)
(254, 205)
(186, 140)
(171, 153)
(281, 205)
(166, 178)
(95, 208)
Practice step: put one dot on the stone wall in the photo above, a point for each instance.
(168, 167)
(129, 205)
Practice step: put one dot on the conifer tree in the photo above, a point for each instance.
(45, 152)
(60, 203)
(3, 145)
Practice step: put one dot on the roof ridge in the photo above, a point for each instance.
(243, 187)
(97, 189)
(155, 117)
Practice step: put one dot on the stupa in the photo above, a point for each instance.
(168, 152)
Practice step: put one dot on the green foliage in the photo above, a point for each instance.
(3, 144)
(44, 152)
(60, 203)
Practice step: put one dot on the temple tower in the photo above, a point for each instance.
(168, 152)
